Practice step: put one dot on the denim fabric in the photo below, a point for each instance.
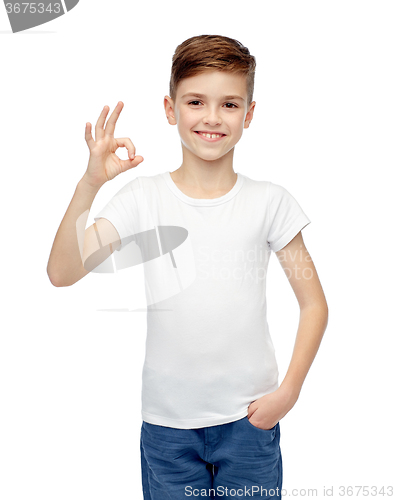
(235, 460)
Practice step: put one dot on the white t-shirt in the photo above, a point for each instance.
(209, 353)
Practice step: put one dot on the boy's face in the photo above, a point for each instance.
(211, 102)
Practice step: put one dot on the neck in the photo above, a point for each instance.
(206, 175)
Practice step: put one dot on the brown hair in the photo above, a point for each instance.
(209, 52)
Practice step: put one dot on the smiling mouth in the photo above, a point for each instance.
(211, 137)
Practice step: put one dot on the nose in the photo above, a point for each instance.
(212, 117)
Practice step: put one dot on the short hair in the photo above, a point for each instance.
(212, 52)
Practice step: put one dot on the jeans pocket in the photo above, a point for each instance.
(258, 428)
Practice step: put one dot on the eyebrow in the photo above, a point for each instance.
(194, 94)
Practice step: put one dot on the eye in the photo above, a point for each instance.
(231, 103)
(194, 102)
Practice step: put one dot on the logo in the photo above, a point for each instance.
(25, 15)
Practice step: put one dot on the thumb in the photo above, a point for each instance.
(252, 409)
(128, 164)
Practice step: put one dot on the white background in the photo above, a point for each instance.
(70, 375)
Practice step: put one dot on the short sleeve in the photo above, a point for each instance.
(286, 217)
(122, 211)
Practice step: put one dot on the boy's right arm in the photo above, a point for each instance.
(66, 264)
(76, 251)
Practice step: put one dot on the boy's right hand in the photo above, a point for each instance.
(104, 164)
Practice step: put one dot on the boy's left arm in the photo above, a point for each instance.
(266, 411)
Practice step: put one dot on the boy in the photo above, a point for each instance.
(211, 402)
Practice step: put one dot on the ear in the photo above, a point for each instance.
(169, 110)
(249, 115)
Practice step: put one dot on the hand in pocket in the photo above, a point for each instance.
(266, 411)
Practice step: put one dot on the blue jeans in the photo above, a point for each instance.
(235, 460)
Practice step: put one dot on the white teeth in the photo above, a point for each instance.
(211, 136)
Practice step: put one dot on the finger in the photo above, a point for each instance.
(99, 129)
(127, 164)
(110, 127)
(125, 142)
(88, 135)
